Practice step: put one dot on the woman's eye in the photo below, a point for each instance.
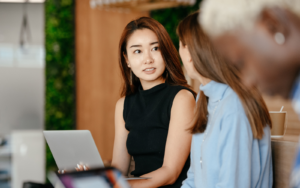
(137, 51)
(155, 48)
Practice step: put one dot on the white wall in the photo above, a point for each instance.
(22, 87)
(21, 99)
(22, 93)
(11, 19)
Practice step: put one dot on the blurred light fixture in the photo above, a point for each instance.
(22, 1)
(139, 5)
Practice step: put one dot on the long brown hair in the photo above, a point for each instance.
(211, 65)
(173, 73)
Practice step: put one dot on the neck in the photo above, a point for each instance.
(150, 84)
(202, 79)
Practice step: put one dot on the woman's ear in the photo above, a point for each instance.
(126, 59)
(275, 21)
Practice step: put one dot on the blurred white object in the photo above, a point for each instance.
(139, 5)
(28, 157)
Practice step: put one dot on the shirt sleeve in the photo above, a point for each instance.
(189, 181)
(235, 147)
(295, 176)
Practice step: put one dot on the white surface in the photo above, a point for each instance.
(22, 1)
(70, 148)
(28, 157)
(21, 99)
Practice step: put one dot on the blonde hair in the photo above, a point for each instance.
(220, 16)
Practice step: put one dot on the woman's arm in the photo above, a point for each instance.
(177, 146)
(121, 158)
(235, 145)
(189, 181)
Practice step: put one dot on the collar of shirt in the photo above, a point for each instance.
(214, 90)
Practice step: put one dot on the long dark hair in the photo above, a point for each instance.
(173, 73)
(211, 65)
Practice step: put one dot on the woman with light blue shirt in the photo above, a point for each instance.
(231, 145)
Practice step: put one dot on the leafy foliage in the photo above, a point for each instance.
(60, 68)
(171, 17)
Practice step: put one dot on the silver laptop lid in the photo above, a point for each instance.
(73, 147)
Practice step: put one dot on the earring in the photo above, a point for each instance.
(279, 38)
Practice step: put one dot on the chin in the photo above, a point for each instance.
(151, 78)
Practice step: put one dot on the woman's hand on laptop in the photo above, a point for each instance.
(81, 167)
(62, 171)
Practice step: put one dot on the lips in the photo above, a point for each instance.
(150, 70)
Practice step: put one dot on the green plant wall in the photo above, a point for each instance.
(60, 68)
(171, 17)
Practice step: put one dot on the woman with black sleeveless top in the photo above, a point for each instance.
(155, 109)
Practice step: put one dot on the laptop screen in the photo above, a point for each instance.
(101, 177)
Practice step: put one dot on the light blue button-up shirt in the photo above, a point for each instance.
(295, 95)
(231, 157)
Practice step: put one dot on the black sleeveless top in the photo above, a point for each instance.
(147, 117)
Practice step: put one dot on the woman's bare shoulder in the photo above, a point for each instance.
(184, 96)
(120, 103)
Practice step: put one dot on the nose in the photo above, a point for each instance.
(148, 58)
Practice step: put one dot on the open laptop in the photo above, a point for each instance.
(73, 147)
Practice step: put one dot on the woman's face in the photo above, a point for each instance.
(144, 57)
(188, 63)
(186, 60)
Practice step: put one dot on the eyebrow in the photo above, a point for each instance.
(141, 45)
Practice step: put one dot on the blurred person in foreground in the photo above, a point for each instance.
(262, 39)
(231, 144)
